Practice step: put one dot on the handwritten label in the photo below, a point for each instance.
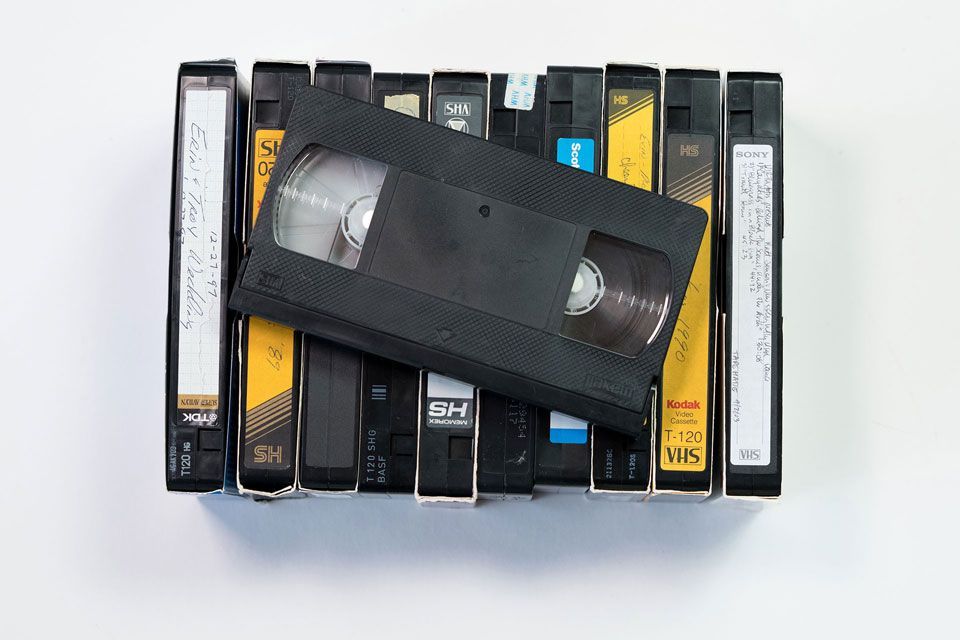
(201, 227)
(752, 304)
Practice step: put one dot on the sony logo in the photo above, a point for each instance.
(751, 154)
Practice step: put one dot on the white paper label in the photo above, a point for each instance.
(751, 312)
(521, 89)
(201, 222)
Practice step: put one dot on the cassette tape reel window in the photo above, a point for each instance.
(619, 299)
(620, 296)
(326, 204)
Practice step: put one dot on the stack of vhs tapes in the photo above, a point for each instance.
(464, 285)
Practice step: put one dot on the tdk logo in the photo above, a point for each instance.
(199, 418)
(751, 154)
(456, 109)
(576, 153)
(683, 404)
(449, 413)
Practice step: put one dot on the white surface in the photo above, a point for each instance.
(865, 539)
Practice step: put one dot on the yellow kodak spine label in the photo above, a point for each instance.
(630, 135)
(685, 384)
(266, 146)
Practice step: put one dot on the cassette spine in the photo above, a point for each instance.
(754, 231)
(330, 431)
(210, 128)
(270, 361)
(685, 407)
(446, 459)
(631, 143)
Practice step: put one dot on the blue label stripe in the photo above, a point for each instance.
(565, 429)
(576, 152)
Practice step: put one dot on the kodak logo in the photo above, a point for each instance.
(683, 404)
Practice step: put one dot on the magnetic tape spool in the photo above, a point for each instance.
(326, 205)
(620, 296)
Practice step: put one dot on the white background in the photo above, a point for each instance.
(865, 538)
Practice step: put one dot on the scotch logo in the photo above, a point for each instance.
(269, 280)
(456, 109)
(683, 404)
(268, 454)
(620, 100)
(690, 150)
(450, 413)
(683, 455)
(749, 454)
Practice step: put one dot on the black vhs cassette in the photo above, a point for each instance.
(753, 313)
(506, 429)
(270, 352)
(407, 93)
(390, 406)
(523, 276)
(330, 420)
(684, 413)
(574, 108)
(446, 444)
(208, 168)
(388, 435)
(631, 143)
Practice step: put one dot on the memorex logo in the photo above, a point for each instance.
(683, 404)
(450, 413)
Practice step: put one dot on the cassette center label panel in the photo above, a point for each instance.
(428, 218)
(201, 255)
(751, 344)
